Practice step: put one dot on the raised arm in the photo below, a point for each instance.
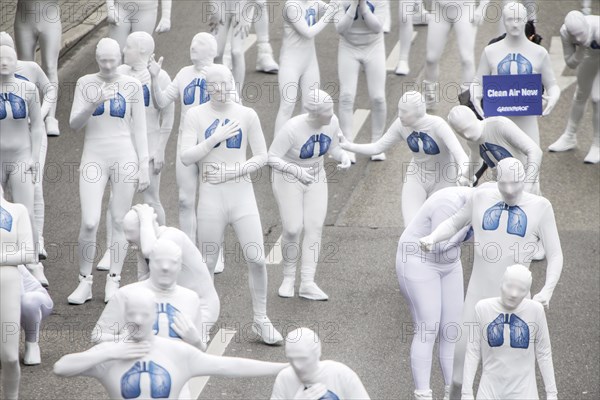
(344, 16)
(83, 107)
(543, 354)
(23, 251)
(373, 18)
(291, 13)
(162, 96)
(472, 358)
(201, 364)
(392, 136)
(167, 117)
(551, 242)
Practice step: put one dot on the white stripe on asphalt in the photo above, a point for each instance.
(216, 348)
(249, 41)
(275, 256)
(392, 60)
(558, 64)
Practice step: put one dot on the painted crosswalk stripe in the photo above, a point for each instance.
(392, 60)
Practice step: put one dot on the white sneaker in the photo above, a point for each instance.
(37, 270)
(112, 285)
(263, 327)
(310, 291)
(264, 59)
(593, 156)
(83, 292)
(379, 157)
(402, 68)
(423, 394)
(566, 141)
(104, 263)
(32, 354)
(286, 289)
(421, 18)
(42, 253)
(352, 157)
(52, 126)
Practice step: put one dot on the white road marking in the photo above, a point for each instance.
(275, 256)
(558, 64)
(249, 41)
(392, 60)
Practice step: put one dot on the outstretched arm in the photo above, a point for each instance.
(201, 364)
(162, 96)
(392, 136)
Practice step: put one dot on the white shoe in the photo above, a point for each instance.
(42, 253)
(37, 270)
(593, 156)
(32, 354)
(263, 327)
(423, 394)
(310, 291)
(421, 18)
(52, 126)
(379, 157)
(286, 289)
(352, 157)
(104, 263)
(566, 141)
(264, 59)
(83, 292)
(112, 285)
(402, 68)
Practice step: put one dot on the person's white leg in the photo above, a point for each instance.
(309, 81)
(104, 263)
(375, 73)
(50, 44)
(145, 21)
(26, 37)
(586, 7)
(593, 156)
(289, 80)
(387, 21)
(211, 227)
(187, 182)
(264, 57)
(315, 211)
(437, 35)
(35, 306)
(348, 70)
(10, 317)
(405, 33)
(413, 194)
(452, 303)
(221, 37)
(152, 195)
(121, 31)
(238, 58)
(465, 33)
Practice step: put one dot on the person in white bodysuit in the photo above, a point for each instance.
(508, 224)
(299, 72)
(510, 335)
(128, 16)
(36, 305)
(32, 72)
(438, 158)
(216, 136)
(40, 21)
(109, 108)
(494, 139)
(16, 247)
(448, 14)
(159, 122)
(300, 188)
(21, 133)
(145, 365)
(406, 10)
(264, 57)
(142, 229)
(308, 377)
(432, 284)
(580, 35)
(359, 23)
(517, 55)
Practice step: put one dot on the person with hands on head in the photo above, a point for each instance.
(113, 117)
(127, 16)
(309, 378)
(494, 139)
(510, 222)
(519, 345)
(142, 230)
(580, 35)
(517, 55)
(303, 20)
(145, 365)
(300, 188)
(435, 148)
(216, 136)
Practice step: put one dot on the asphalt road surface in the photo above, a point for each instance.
(366, 322)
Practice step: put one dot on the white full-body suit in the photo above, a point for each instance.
(437, 153)
(432, 284)
(109, 108)
(298, 150)
(517, 55)
(580, 37)
(299, 72)
(406, 10)
(16, 247)
(39, 21)
(507, 227)
(226, 194)
(128, 16)
(360, 25)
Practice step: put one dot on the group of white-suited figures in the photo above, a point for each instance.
(163, 321)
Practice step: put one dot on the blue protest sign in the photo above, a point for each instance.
(512, 95)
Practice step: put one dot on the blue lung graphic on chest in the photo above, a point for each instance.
(517, 219)
(6, 220)
(118, 106)
(170, 312)
(594, 45)
(497, 151)
(311, 16)
(521, 64)
(160, 381)
(371, 7)
(429, 145)
(231, 143)
(17, 106)
(146, 95)
(330, 396)
(189, 93)
(308, 149)
(18, 76)
(519, 331)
